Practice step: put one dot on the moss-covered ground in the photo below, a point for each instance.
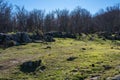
(93, 59)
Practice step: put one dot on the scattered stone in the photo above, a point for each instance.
(21, 37)
(107, 67)
(83, 48)
(109, 78)
(47, 47)
(112, 48)
(38, 41)
(2, 38)
(93, 65)
(9, 40)
(75, 70)
(118, 67)
(38, 35)
(55, 34)
(104, 39)
(49, 38)
(91, 38)
(95, 78)
(11, 43)
(71, 58)
(30, 66)
(14, 61)
(116, 77)
(42, 68)
(69, 35)
(1, 67)
(61, 34)
(110, 36)
(91, 48)
(99, 62)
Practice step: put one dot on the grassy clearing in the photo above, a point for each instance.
(93, 59)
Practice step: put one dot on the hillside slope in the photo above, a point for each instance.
(65, 59)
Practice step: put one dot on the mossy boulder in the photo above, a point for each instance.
(21, 37)
(48, 38)
(30, 66)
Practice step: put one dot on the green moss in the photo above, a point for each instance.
(97, 52)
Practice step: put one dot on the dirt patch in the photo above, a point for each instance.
(8, 64)
(4, 65)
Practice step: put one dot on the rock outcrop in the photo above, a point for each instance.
(18, 38)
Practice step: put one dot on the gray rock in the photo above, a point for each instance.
(95, 78)
(37, 35)
(30, 66)
(22, 37)
(71, 58)
(5, 39)
(61, 34)
(107, 67)
(9, 40)
(2, 37)
(49, 38)
(116, 77)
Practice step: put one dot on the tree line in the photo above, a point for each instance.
(78, 20)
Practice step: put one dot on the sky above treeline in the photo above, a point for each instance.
(48, 5)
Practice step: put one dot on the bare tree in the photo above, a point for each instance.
(5, 16)
(21, 15)
(49, 22)
(108, 20)
(80, 20)
(62, 20)
(37, 17)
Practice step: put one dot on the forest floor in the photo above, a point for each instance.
(64, 59)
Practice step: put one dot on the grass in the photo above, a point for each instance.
(91, 57)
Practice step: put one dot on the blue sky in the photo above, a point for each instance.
(48, 5)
